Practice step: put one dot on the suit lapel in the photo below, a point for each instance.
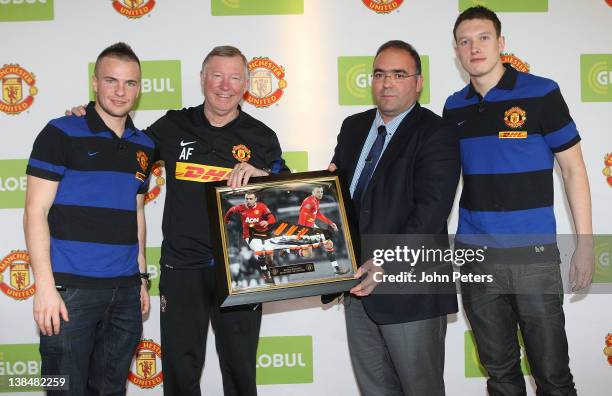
(405, 132)
(360, 134)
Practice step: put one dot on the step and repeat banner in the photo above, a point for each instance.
(310, 64)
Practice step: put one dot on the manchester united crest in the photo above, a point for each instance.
(267, 81)
(143, 160)
(382, 6)
(515, 117)
(241, 153)
(133, 8)
(15, 279)
(146, 367)
(157, 170)
(18, 89)
(608, 348)
(515, 62)
(607, 171)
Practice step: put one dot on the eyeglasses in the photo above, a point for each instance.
(394, 76)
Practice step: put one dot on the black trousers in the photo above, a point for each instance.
(529, 297)
(187, 303)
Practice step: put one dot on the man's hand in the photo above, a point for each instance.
(48, 306)
(242, 172)
(78, 111)
(583, 264)
(368, 284)
(145, 300)
(334, 226)
(263, 224)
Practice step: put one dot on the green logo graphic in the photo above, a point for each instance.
(152, 256)
(284, 360)
(297, 161)
(603, 259)
(256, 7)
(355, 80)
(12, 183)
(473, 367)
(507, 5)
(26, 10)
(596, 77)
(18, 360)
(160, 86)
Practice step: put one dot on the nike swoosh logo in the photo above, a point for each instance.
(461, 122)
(91, 154)
(183, 144)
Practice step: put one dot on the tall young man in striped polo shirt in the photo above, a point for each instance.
(512, 126)
(85, 231)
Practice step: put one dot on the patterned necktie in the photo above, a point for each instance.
(370, 165)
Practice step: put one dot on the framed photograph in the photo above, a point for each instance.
(281, 236)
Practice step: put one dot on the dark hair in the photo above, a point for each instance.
(119, 51)
(402, 46)
(478, 12)
(227, 51)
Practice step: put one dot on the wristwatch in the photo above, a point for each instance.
(145, 276)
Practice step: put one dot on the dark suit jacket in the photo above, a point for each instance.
(411, 192)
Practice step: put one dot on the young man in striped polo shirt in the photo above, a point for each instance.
(85, 231)
(512, 127)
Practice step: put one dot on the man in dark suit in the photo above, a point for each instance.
(403, 165)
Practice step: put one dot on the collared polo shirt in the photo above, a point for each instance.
(508, 140)
(92, 222)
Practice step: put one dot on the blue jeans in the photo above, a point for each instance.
(529, 297)
(95, 347)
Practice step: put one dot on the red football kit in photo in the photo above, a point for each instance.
(309, 212)
(251, 217)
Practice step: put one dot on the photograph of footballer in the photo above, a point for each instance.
(279, 235)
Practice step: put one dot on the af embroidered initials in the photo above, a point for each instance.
(186, 151)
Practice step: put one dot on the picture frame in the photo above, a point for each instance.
(282, 236)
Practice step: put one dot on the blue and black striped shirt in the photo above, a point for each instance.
(94, 232)
(508, 140)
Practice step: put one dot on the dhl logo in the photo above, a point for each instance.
(513, 134)
(200, 173)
